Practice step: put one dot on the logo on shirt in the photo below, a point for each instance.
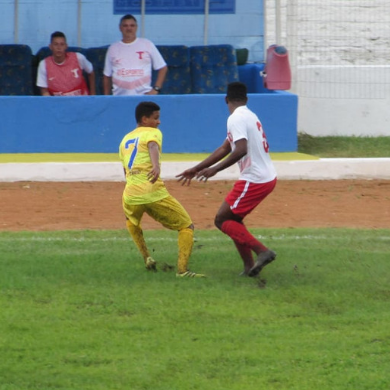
(129, 72)
(75, 73)
(140, 54)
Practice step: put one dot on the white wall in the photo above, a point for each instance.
(37, 19)
(340, 59)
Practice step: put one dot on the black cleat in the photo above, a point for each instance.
(263, 259)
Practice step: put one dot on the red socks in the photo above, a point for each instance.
(240, 235)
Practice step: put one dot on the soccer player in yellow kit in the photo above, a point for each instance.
(145, 192)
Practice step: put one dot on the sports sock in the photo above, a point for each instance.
(137, 235)
(185, 243)
(246, 255)
(239, 233)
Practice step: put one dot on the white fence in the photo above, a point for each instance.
(340, 60)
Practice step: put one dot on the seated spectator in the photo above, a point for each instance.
(62, 73)
(129, 62)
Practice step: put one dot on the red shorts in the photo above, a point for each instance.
(245, 196)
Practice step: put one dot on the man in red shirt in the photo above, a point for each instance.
(62, 73)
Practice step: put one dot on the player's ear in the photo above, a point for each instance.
(143, 120)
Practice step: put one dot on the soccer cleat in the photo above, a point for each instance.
(150, 264)
(263, 259)
(189, 274)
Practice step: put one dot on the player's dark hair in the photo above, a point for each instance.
(126, 17)
(236, 92)
(145, 109)
(57, 34)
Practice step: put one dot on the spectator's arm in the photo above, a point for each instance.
(161, 74)
(45, 92)
(107, 85)
(92, 86)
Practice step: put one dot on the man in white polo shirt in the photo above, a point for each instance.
(129, 63)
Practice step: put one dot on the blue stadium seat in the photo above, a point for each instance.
(178, 80)
(15, 70)
(97, 56)
(212, 68)
(45, 51)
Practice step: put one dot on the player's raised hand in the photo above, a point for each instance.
(186, 176)
(206, 173)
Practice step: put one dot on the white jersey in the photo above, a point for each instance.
(130, 66)
(256, 166)
(42, 72)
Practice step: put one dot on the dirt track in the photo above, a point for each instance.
(63, 206)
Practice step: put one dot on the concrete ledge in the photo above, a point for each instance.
(322, 169)
(334, 169)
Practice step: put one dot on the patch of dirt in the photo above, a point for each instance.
(40, 206)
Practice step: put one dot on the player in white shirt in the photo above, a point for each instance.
(129, 63)
(246, 144)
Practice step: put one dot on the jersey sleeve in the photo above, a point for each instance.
(107, 71)
(158, 61)
(237, 128)
(84, 63)
(155, 136)
(42, 75)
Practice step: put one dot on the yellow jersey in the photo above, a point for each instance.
(134, 154)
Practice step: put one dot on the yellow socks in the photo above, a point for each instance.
(185, 242)
(138, 238)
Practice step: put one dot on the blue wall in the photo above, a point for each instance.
(96, 124)
(97, 25)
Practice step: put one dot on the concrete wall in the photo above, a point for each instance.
(96, 124)
(339, 54)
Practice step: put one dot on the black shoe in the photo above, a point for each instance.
(263, 259)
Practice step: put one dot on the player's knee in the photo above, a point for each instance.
(218, 221)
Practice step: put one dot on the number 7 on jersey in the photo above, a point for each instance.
(132, 146)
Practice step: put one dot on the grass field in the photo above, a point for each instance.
(78, 311)
(344, 147)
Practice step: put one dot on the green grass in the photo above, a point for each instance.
(78, 311)
(346, 147)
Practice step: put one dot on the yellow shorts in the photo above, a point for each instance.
(168, 211)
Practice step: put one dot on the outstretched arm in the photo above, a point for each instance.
(240, 150)
(218, 154)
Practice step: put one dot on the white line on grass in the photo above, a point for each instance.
(169, 239)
